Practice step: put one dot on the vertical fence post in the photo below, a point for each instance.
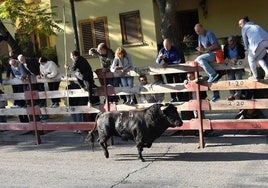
(33, 120)
(199, 110)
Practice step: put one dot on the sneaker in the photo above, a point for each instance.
(55, 105)
(252, 78)
(77, 132)
(231, 98)
(173, 100)
(266, 77)
(131, 103)
(51, 106)
(44, 117)
(126, 102)
(93, 104)
(85, 89)
(96, 103)
(15, 106)
(241, 117)
(215, 98)
(213, 78)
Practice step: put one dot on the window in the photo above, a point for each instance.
(131, 28)
(93, 32)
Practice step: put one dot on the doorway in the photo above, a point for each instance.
(186, 22)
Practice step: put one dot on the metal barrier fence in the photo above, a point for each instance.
(199, 105)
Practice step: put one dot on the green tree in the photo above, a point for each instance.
(28, 17)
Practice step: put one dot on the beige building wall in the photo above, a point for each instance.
(223, 15)
(142, 55)
(222, 18)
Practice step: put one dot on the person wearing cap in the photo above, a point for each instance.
(256, 42)
(233, 51)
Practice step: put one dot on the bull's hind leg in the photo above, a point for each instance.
(103, 144)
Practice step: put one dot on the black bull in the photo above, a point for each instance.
(142, 126)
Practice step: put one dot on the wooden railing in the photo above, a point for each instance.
(201, 106)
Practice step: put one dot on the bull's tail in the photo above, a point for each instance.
(90, 136)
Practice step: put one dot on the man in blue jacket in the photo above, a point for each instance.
(170, 56)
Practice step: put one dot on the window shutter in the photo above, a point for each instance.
(131, 27)
(93, 32)
(99, 30)
(86, 34)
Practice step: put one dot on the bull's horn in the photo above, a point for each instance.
(163, 108)
(164, 103)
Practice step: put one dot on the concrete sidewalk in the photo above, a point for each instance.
(230, 159)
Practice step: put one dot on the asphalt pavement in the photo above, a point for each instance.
(63, 159)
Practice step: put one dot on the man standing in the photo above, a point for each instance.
(106, 57)
(87, 82)
(256, 42)
(207, 45)
(19, 73)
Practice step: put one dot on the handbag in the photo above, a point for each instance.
(219, 56)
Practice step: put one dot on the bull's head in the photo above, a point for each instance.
(172, 115)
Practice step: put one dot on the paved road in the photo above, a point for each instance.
(63, 160)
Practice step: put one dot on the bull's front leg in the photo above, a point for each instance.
(140, 149)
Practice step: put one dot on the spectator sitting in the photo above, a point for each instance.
(207, 45)
(232, 52)
(203, 94)
(145, 98)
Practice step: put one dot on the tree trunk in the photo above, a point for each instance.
(10, 40)
(169, 26)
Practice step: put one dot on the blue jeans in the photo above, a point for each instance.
(77, 117)
(204, 61)
(128, 82)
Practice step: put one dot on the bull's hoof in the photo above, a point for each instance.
(106, 154)
(142, 159)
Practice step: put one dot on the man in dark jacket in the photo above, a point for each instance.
(86, 80)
